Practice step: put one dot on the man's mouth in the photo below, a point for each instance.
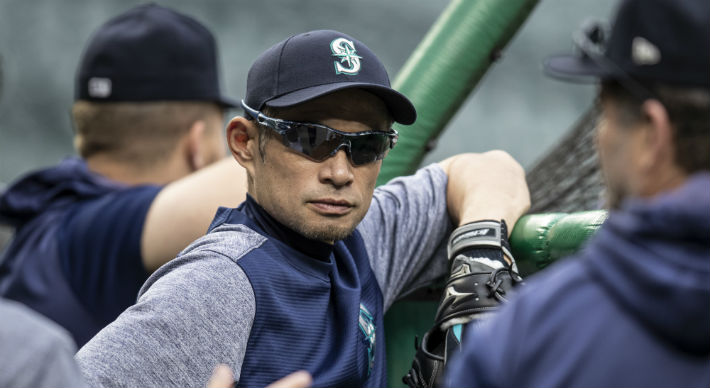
(331, 207)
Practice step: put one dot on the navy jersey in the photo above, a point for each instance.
(267, 301)
(319, 308)
(75, 256)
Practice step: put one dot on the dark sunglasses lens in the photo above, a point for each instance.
(368, 148)
(315, 142)
(318, 143)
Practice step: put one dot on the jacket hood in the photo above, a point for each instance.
(653, 257)
(42, 190)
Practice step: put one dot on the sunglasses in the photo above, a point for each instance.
(319, 142)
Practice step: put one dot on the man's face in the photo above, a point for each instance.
(618, 150)
(321, 200)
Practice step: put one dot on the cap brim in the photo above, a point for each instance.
(573, 68)
(400, 107)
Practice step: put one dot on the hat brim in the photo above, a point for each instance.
(400, 107)
(575, 69)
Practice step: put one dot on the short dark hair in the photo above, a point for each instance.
(135, 133)
(265, 133)
(688, 111)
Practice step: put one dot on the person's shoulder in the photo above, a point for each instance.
(424, 186)
(36, 352)
(121, 205)
(214, 255)
(546, 303)
(553, 297)
(123, 194)
(22, 328)
(432, 173)
(560, 280)
(231, 240)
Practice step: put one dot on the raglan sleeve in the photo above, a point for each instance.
(405, 232)
(193, 313)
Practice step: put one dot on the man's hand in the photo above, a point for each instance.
(482, 189)
(298, 379)
(486, 186)
(222, 377)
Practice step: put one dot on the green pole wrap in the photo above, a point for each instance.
(539, 239)
(443, 70)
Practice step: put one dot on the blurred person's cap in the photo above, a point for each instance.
(150, 53)
(664, 41)
(316, 63)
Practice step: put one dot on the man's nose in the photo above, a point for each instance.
(337, 170)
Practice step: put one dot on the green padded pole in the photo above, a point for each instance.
(443, 70)
(540, 239)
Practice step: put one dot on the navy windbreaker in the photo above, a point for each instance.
(75, 256)
(633, 309)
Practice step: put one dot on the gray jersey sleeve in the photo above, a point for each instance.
(405, 232)
(35, 352)
(192, 314)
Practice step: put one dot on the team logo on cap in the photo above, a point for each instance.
(345, 50)
(99, 87)
(644, 52)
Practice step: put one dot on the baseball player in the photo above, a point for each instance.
(299, 276)
(148, 116)
(631, 310)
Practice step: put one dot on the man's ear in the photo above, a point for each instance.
(658, 149)
(195, 147)
(243, 139)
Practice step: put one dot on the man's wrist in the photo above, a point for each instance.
(480, 234)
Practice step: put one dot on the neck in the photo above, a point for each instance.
(666, 179)
(316, 249)
(161, 172)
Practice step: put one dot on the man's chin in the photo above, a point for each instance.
(329, 229)
(327, 234)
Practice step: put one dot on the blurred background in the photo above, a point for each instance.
(514, 108)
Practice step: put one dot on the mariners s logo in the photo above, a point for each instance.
(349, 61)
(367, 327)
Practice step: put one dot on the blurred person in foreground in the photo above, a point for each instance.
(632, 308)
(149, 129)
(37, 353)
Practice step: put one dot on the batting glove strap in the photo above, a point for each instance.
(471, 292)
(479, 234)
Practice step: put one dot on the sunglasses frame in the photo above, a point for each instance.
(282, 127)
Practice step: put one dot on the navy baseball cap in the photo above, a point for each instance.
(665, 41)
(316, 63)
(150, 53)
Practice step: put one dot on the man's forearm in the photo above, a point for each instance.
(489, 185)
